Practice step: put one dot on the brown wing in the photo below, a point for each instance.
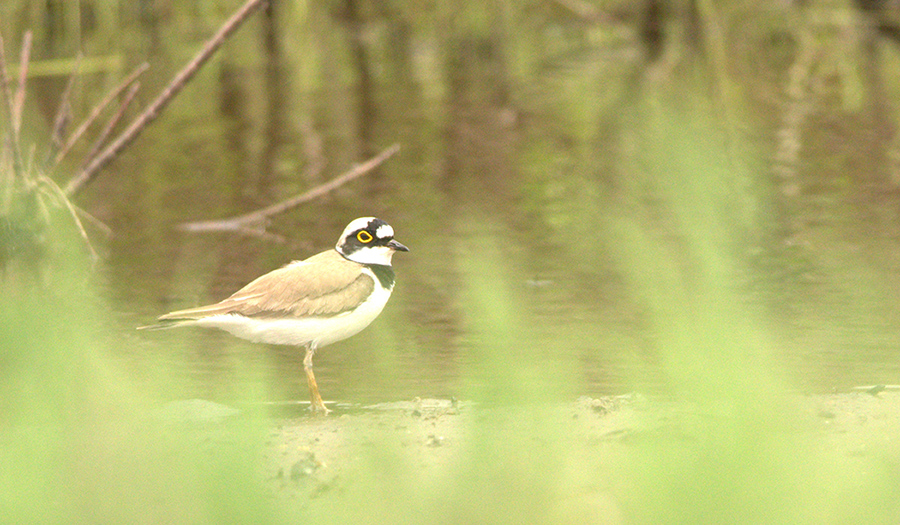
(325, 284)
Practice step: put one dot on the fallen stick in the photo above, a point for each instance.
(240, 223)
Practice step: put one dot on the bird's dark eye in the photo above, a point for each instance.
(364, 237)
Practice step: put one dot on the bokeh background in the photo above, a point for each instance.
(690, 199)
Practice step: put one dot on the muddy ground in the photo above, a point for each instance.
(323, 462)
(310, 457)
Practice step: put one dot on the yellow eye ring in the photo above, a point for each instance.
(364, 237)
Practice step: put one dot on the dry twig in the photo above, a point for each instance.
(153, 110)
(18, 104)
(63, 113)
(241, 222)
(11, 144)
(4, 77)
(111, 125)
(12, 140)
(97, 110)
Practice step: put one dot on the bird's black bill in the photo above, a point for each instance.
(394, 245)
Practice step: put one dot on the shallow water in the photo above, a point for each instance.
(511, 151)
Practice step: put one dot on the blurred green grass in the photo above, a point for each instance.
(80, 443)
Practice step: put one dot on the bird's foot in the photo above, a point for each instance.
(319, 409)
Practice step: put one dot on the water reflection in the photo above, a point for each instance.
(524, 133)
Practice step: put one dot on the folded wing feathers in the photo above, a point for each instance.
(302, 288)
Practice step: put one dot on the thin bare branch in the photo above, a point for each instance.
(63, 113)
(61, 120)
(259, 216)
(12, 139)
(111, 125)
(97, 110)
(4, 79)
(8, 147)
(153, 110)
(19, 100)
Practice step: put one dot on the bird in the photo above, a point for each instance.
(309, 303)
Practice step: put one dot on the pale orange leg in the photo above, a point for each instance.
(316, 403)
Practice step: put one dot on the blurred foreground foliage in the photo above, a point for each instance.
(82, 441)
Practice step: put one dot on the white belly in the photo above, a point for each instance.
(316, 331)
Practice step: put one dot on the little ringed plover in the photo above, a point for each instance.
(311, 303)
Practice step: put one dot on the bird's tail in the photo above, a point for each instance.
(165, 324)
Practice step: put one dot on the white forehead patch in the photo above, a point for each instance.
(357, 224)
(384, 232)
